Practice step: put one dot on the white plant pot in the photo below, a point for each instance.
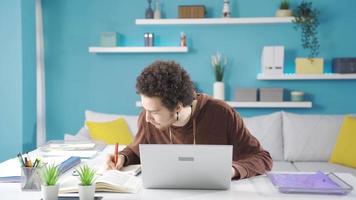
(86, 192)
(284, 13)
(219, 90)
(50, 192)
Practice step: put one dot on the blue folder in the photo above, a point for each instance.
(68, 164)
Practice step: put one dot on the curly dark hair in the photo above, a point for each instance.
(168, 81)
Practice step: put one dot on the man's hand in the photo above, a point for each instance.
(234, 173)
(110, 162)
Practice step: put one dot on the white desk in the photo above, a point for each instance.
(252, 189)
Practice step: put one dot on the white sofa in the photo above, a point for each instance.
(296, 142)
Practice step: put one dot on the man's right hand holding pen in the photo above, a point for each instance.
(115, 161)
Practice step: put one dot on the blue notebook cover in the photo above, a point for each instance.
(68, 164)
(10, 179)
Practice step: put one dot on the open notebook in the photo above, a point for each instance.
(109, 181)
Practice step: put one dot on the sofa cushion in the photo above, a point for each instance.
(283, 166)
(110, 132)
(345, 149)
(323, 166)
(82, 135)
(309, 137)
(131, 120)
(268, 130)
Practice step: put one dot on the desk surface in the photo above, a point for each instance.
(252, 189)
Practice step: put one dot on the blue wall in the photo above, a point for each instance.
(77, 80)
(17, 78)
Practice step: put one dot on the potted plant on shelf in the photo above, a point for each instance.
(284, 10)
(306, 19)
(219, 63)
(50, 175)
(86, 186)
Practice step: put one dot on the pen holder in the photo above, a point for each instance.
(30, 178)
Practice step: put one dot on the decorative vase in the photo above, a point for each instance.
(219, 90)
(284, 13)
(86, 192)
(157, 13)
(50, 192)
(149, 11)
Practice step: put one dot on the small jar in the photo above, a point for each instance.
(297, 96)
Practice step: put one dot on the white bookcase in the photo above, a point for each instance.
(138, 49)
(258, 104)
(216, 21)
(329, 76)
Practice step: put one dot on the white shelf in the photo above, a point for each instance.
(329, 76)
(215, 21)
(138, 49)
(283, 104)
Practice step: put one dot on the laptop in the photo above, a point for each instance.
(182, 166)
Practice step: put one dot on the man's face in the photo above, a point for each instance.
(156, 113)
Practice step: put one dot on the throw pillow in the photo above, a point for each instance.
(131, 120)
(110, 132)
(268, 130)
(309, 137)
(345, 149)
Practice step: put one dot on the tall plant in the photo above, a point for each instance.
(306, 18)
(219, 63)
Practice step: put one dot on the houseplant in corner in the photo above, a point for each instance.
(50, 175)
(86, 186)
(219, 64)
(284, 10)
(306, 19)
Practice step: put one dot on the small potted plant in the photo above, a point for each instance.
(219, 64)
(306, 19)
(50, 175)
(284, 10)
(86, 186)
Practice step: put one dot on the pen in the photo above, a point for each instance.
(116, 152)
(29, 159)
(22, 163)
(26, 162)
(35, 163)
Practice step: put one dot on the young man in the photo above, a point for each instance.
(174, 114)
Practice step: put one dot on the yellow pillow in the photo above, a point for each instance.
(110, 132)
(345, 149)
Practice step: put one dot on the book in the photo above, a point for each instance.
(59, 145)
(68, 164)
(132, 170)
(109, 181)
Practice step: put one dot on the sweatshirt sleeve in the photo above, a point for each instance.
(131, 152)
(249, 158)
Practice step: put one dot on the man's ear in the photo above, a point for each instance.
(179, 107)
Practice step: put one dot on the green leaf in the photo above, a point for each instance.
(86, 175)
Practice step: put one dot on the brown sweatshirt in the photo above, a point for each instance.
(215, 123)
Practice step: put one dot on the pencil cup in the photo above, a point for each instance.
(30, 178)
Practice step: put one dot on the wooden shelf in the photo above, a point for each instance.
(283, 104)
(329, 76)
(138, 49)
(216, 21)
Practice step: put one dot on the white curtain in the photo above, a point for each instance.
(40, 78)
